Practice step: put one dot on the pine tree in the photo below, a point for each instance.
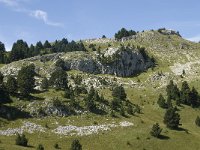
(156, 130)
(2, 53)
(47, 44)
(58, 79)
(197, 121)
(19, 50)
(161, 101)
(76, 145)
(172, 118)
(11, 85)
(185, 93)
(25, 80)
(119, 93)
(194, 98)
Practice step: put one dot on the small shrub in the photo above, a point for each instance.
(40, 147)
(56, 146)
(21, 140)
(76, 145)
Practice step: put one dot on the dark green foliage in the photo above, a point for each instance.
(103, 37)
(67, 93)
(172, 118)
(76, 145)
(25, 80)
(124, 33)
(38, 48)
(130, 109)
(183, 96)
(1, 78)
(11, 85)
(185, 93)
(56, 146)
(21, 140)
(116, 104)
(19, 50)
(143, 52)
(169, 103)
(45, 84)
(156, 130)
(194, 98)
(60, 63)
(58, 79)
(40, 147)
(4, 95)
(2, 53)
(47, 44)
(65, 46)
(173, 91)
(90, 100)
(119, 93)
(197, 121)
(161, 101)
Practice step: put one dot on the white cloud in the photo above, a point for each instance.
(194, 39)
(42, 15)
(38, 14)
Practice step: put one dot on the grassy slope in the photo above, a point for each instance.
(146, 97)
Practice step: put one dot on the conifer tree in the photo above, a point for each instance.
(172, 118)
(76, 145)
(161, 101)
(156, 130)
(25, 80)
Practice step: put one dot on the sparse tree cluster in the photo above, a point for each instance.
(124, 33)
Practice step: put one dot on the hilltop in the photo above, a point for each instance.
(141, 65)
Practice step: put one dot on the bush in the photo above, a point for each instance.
(56, 146)
(21, 140)
(40, 147)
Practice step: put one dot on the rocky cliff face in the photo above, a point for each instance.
(115, 61)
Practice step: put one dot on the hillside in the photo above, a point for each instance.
(143, 64)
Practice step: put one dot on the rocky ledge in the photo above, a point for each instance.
(119, 61)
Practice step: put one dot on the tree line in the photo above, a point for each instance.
(21, 50)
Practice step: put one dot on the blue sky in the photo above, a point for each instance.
(40, 20)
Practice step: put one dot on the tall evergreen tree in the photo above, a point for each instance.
(185, 93)
(19, 50)
(47, 44)
(2, 53)
(25, 80)
(194, 98)
(172, 118)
